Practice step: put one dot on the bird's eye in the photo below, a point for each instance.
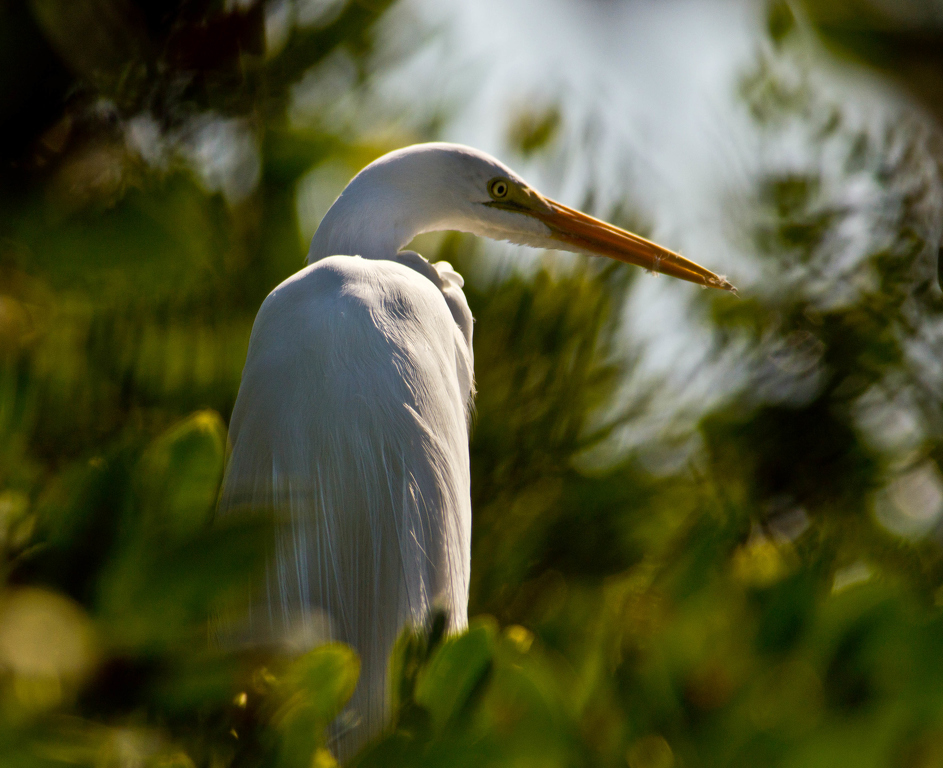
(498, 188)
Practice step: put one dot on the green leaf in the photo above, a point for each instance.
(313, 692)
(155, 594)
(456, 671)
(181, 472)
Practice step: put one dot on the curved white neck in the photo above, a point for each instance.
(383, 208)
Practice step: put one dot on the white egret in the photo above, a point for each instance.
(352, 415)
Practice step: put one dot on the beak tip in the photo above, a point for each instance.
(721, 282)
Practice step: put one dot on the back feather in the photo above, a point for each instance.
(351, 422)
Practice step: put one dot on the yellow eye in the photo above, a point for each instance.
(498, 188)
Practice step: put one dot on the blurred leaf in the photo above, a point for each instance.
(312, 693)
(181, 473)
(102, 40)
(455, 671)
(725, 593)
(532, 131)
(77, 524)
(158, 592)
(197, 680)
(780, 20)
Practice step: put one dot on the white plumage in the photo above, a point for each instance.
(352, 415)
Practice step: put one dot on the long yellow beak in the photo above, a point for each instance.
(586, 233)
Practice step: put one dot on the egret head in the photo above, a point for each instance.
(437, 186)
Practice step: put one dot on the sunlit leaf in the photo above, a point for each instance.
(313, 692)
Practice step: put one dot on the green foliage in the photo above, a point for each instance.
(313, 692)
(532, 131)
(458, 666)
(180, 475)
(750, 603)
(483, 697)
